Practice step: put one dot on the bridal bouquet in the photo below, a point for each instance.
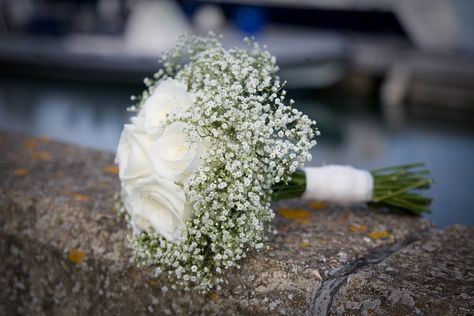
(212, 143)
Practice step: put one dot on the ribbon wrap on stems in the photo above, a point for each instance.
(343, 185)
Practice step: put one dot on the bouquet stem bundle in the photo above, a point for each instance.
(395, 187)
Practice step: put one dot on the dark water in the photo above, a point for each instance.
(353, 132)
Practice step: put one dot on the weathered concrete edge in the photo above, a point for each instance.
(82, 159)
(32, 255)
(323, 296)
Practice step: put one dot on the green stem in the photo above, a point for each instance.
(407, 188)
(397, 188)
(399, 167)
(291, 189)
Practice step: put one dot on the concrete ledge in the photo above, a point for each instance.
(65, 251)
(433, 276)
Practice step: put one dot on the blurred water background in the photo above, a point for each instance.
(388, 83)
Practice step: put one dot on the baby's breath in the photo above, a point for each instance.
(255, 138)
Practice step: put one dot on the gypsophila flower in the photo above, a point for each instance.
(252, 139)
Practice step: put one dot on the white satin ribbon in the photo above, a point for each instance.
(342, 185)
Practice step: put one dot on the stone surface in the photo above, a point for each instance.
(432, 276)
(65, 251)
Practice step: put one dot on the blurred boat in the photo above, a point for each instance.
(393, 50)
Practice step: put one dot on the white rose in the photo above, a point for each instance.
(157, 206)
(174, 156)
(150, 163)
(170, 96)
(133, 151)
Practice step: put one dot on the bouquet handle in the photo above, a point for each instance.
(396, 188)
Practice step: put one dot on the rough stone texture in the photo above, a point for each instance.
(433, 276)
(65, 251)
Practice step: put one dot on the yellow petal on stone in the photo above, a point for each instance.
(304, 245)
(21, 172)
(30, 143)
(317, 205)
(213, 296)
(301, 216)
(379, 234)
(358, 228)
(41, 155)
(76, 256)
(81, 197)
(44, 139)
(153, 282)
(112, 169)
(104, 184)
